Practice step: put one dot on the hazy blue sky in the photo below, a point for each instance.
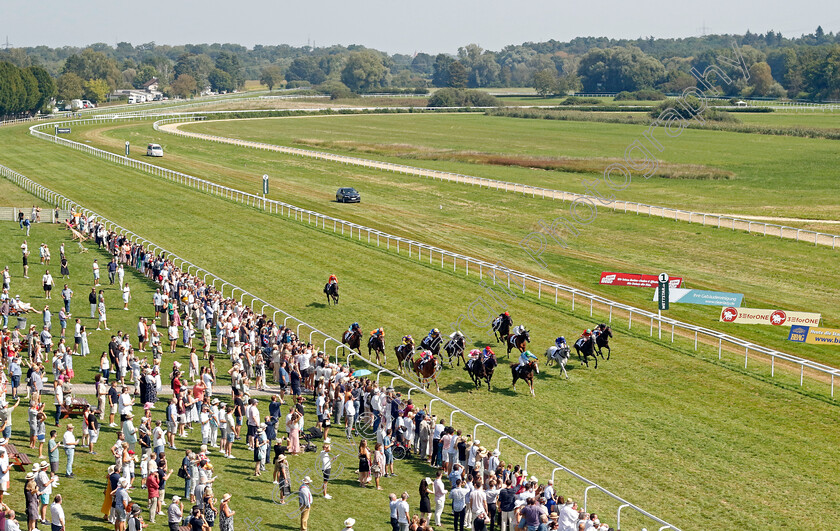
(403, 26)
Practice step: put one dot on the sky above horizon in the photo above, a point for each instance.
(401, 26)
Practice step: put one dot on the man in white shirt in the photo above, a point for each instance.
(126, 402)
(403, 517)
(70, 443)
(57, 515)
(440, 497)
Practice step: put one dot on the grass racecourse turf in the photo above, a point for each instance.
(489, 224)
(652, 424)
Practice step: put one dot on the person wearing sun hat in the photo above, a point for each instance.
(226, 514)
(348, 524)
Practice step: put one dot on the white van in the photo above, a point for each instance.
(154, 150)
(132, 98)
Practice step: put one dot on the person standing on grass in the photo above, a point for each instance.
(52, 451)
(103, 318)
(69, 442)
(403, 516)
(57, 521)
(47, 280)
(24, 251)
(440, 496)
(459, 504)
(325, 464)
(95, 272)
(112, 270)
(305, 503)
(126, 296)
(120, 274)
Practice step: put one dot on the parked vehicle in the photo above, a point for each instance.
(86, 104)
(76, 104)
(348, 195)
(154, 150)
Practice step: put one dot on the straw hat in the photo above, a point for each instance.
(349, 522)
(307, 480)
(226, 497)
(30, 475)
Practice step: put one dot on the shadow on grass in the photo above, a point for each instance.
(316, 305)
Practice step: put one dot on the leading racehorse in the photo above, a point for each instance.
(481, 367)
(376, 343)
(426, 368)
(331, 290)
(526, 372)
(603, 340)
(455, 348)
(519, 338)
(501, 327)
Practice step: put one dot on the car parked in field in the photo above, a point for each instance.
(348, 195)
(154, 150)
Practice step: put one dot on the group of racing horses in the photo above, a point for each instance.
(482, 362)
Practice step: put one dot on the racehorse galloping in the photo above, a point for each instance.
(481, 367)
(331, 290)
(432, 342)
(526, 373)
(404, 352)
(603, 340)
(353, 338)
(519, 338)
(586, 346)
(455, 348)
(376, 343)
(558, 355)
(501, 327)
(426, 368)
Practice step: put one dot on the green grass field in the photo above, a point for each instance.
(672, 448)
(767, 170)
(460, 223)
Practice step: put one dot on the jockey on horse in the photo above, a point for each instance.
(479, 355)
(525, 358)
(331, 289)
(432, 341)
(501, 326)
(561, 342)
(332, 280)
(404, 351)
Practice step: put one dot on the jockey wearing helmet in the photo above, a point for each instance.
(488, 352)
(332, 280)
(379, 332)
(561, 342)
(525, 358)
(354, 327)
(434, 333)
(407, 340)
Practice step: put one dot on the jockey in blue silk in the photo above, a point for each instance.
(488, 352)
(354, 327)
(525, 358)
(434, 333)
(561, 342)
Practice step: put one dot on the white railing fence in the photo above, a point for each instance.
(720, 221)
(521, 280)
(245, 296)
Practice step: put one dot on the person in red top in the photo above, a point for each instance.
(332, 280)
(176, 382)
(153, 487)
(198, 391)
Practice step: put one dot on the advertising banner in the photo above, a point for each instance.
(698, 296)
(636, 280)
(815, 336)
(769, 317)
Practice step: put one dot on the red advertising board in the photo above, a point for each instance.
(635, 280)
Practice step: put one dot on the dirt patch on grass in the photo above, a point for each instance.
(665, 170)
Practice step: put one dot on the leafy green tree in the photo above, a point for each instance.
(145, 73)
(12, 91)
(229, 63)
(422, 63)
(306, 69)
(30, 90)
(220, 81)
(545, 82)
(363, 71)
(70, 87)
(458, 75)
(440, 75)
(761, 79)
(184, 86)
(619, 68)
(96, 90)
(46, 86)
(484, 72)
(90, 64)
(271, 76)
(198, 66)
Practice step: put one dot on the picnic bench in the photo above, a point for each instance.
(76, 406)
(18, 458)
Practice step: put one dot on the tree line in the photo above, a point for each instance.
(803, 67)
